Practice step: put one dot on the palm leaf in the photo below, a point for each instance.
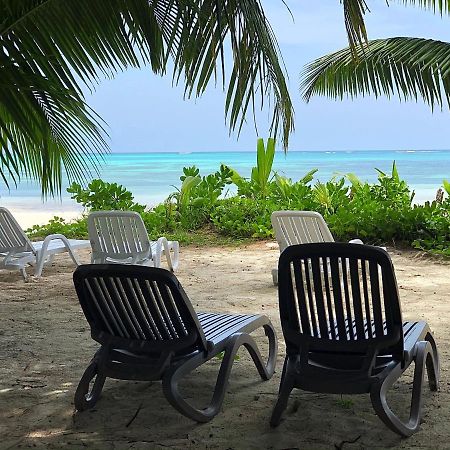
(408, 67)
(440, 6)
(354, 11)
(51, 48)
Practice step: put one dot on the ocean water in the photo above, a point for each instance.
(152, 176)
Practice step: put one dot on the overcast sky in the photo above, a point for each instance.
(145, 113)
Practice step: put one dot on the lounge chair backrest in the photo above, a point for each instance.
(12, 237)
(138, 308)
(330, 292)
(299, 227)
(118, 234)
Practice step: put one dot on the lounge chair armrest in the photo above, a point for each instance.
(42, 253)
(163, 244)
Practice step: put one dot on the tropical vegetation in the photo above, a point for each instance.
(226, 207)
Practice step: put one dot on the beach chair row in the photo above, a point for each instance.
(114, 237)
(339, 308)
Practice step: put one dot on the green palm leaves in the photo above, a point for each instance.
(49, 49)
(409, 67)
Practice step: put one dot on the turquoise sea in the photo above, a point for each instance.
(151, 176)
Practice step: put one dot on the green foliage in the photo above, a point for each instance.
(101, 195)
(432, 227)
(200, 211)
(195, 200)
(72, 229)
(345, 403)
(243, 217)
(45, 124)
(373, 212)
(330, 196)
(264, 162)
(407, 67)
(290, 195)
(259, 184)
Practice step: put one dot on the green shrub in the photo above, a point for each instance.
(243, 217)
(101, 195)
(432, 227)
(197, 196)
(72, 229)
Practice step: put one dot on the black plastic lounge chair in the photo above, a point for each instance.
(342, 323)
(149, 331)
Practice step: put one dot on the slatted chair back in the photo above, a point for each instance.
(138, 308)
(339, 298)
(12, 237)
(119, 235)
(299, 227)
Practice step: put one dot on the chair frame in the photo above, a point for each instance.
(120, 237)
(332, 349)
(206, 335)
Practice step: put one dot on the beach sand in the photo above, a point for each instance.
(45, 346)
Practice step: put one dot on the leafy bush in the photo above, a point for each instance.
(72, 229)
(197, 196)
(101, 195)
(243, 217)
(432, 227)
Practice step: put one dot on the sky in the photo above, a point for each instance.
(145, 113)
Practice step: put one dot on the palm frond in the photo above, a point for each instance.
(354, 11)
(50, 48)
(403, 66)
(436, 6)
(196, 34)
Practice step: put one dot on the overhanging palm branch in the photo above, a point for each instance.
(50, 48)
(440, 6)
(408, 67)
(354, 11)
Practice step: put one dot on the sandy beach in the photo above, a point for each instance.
(45, 346)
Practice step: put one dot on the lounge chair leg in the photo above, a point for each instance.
(172, 378)
(423, 358)
(265, 370)
(286, 386)
(433, 366)
(24, 273)
(85, 399)
(275, 277)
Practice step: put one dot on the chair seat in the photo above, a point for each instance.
(218, 327)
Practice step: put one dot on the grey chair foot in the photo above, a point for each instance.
(432, 363)
(275, 277)
(172, 378)
(286, 386)
(86, 398)
(424, 358)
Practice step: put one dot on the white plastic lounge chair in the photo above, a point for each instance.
(121, 237)
(300, 227)
(17, 251)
